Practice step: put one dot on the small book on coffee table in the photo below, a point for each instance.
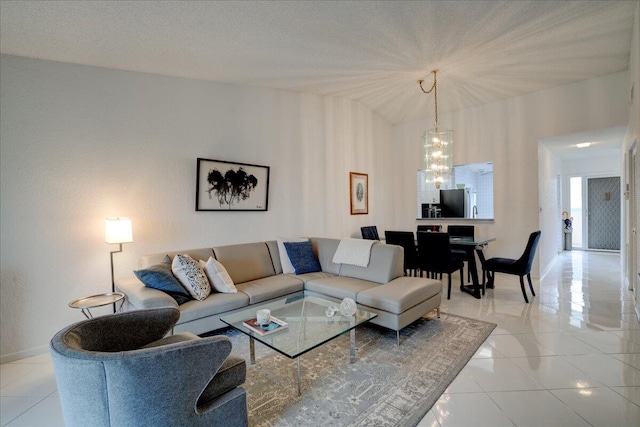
(274, 325)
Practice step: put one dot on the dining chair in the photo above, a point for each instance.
(408, 243)
(370, 232)
(435, 257)
(462, 231)
(436, 228)
(519, 267)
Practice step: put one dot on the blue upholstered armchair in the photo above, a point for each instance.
(121, 370)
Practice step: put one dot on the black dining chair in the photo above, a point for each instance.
(519, 267)
(436, 228)
(370, 232)
(462, 231)
(408, 243)
(434, 254)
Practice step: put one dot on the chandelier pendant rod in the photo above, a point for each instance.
(434, 89)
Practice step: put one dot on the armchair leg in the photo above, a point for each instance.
(524, 292)
(530, 284)
(449, 289)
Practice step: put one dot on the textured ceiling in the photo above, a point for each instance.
(370, 51)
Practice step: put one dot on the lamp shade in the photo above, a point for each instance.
(118, 230)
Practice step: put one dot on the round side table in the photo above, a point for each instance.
(93, 301)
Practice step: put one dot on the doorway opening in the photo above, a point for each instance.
(596, 211)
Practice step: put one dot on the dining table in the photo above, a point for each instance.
(472, 246)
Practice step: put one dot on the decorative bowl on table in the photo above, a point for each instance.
(348, 307)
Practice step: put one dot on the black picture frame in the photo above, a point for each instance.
(231, 186)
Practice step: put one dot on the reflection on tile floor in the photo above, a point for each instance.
(569, 358)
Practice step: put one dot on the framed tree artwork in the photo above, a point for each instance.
(359, 190)
(227, 186)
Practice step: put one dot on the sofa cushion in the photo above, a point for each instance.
(152, 259)
(161, 277)
(385, 264)
(218, 276)
(315, 275)
(215, 303)
(192, 276)
(325, 249)
(302, 257)
(339, 286)
(270, 287)
(245, 262)
(400, 295)
(272, 246)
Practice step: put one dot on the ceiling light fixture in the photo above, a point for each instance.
(438, 145)
(583, 144)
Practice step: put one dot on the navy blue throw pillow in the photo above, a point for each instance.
(302, 257)
(160, 277)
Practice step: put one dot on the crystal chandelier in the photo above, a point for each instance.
(438, 146)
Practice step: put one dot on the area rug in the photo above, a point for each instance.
(388, 385)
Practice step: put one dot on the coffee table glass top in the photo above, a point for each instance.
(308, 325)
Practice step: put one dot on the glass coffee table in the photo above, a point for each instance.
(308, 325)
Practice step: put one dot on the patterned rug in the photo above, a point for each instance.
(386, 386)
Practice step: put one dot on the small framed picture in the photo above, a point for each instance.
(227, 186)
(359, 185)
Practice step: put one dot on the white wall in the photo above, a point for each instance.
(604, 164)
(507, 132)
(549, 172)
(79, 144)
(633, 135)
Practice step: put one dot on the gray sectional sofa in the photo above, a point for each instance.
(256, 270)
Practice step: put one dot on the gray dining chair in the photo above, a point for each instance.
(519, 267)
(408, 243)
(435, 257)
(462, 231)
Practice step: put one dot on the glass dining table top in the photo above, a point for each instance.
(470, 241)
(308, 325)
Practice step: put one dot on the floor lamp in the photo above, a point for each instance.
(117, 231)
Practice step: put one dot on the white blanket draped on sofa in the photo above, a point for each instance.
(354, 252)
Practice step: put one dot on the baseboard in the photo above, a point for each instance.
(12, 357)
(549, 266)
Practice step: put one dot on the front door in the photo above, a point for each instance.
(603, 210)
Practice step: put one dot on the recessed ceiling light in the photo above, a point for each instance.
(583, 144)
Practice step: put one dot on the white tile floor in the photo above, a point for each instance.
(570, 358)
